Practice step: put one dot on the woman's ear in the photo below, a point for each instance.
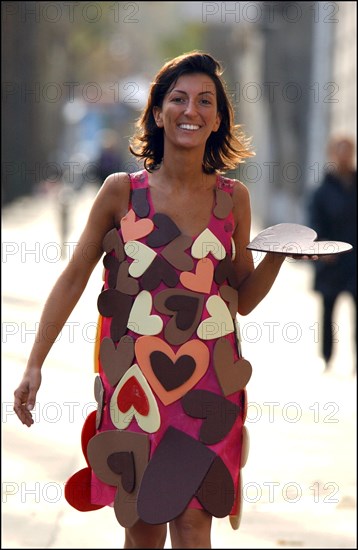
(157, 114)
(217, 122)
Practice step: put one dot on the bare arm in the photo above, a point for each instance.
(254, 283)
(109, 206)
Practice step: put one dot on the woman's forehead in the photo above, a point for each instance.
(194, 81)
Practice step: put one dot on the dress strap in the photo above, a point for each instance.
(138, 180)
(225, 184)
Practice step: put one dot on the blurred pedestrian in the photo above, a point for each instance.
(109, 160)
(332, 214)
(167, 441)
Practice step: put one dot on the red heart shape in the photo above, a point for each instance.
(131, 393)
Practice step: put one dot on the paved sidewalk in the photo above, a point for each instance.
(300, 478)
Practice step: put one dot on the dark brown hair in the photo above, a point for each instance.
(225, 148)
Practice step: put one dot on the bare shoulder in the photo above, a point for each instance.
(241, 200)
(113, 196)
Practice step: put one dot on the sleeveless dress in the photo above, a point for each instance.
(168, 432)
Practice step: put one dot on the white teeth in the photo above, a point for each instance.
(189, 126)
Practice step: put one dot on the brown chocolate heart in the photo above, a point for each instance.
(171, 375)
(218, 414)
(166, 231)
(170, 480)
(112, 264)
(217, 492)
(104, 444)
(122, 463)
(175, 253)
(232, 376)
(185, 307)
(140, 202)
(115, 304)
(113, 241)
(116, 361)
(158, 271)
(225, 270)
(125, 283)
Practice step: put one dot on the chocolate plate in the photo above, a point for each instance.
(295, 240)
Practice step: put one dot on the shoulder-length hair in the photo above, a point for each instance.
(225, 148)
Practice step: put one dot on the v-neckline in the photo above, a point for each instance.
(154, 211)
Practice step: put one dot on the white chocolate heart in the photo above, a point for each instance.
(219, 324)
(207, 243)
(140, 319)
(149, 422)
(142, 256)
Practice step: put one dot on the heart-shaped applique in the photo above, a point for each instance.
(202, 279)
(140, 319)
(116, 361)
(158, 271)
(172, 477)
(232, 376)
(171, 374)
(166, 231)
(112, 303)
(245, 447)
(146, 345)
(295, 239)
(98, 395)
(140, 202)
(217, 491)
(220, 321)
(185, 307)
(225, 270)
(207, 243)
(111, 263)
(218, 414)
(122, 463)
(230, 296)
(142, 256)
(124, 283)
(224, 204)
(134, 398)
(235, 517)
(113, 241)
(78, 489)
(133, 230)
(175, 253)
(106, 444)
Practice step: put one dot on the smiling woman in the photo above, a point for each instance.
(167, 442)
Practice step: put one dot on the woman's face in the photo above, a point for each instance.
(189, 112)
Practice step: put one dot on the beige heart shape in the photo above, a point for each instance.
(207, 243)
(149, 422)
(142, 256)
(140, 319)
(220, 321)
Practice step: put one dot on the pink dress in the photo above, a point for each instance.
(168, 432)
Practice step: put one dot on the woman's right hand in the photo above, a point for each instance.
(25, 395)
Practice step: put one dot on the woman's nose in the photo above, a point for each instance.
(190, 108)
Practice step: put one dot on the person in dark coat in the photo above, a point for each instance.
(333, 215)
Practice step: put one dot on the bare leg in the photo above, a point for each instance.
(191, 529)
(143, 535)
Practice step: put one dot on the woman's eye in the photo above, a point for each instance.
(177, 99)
